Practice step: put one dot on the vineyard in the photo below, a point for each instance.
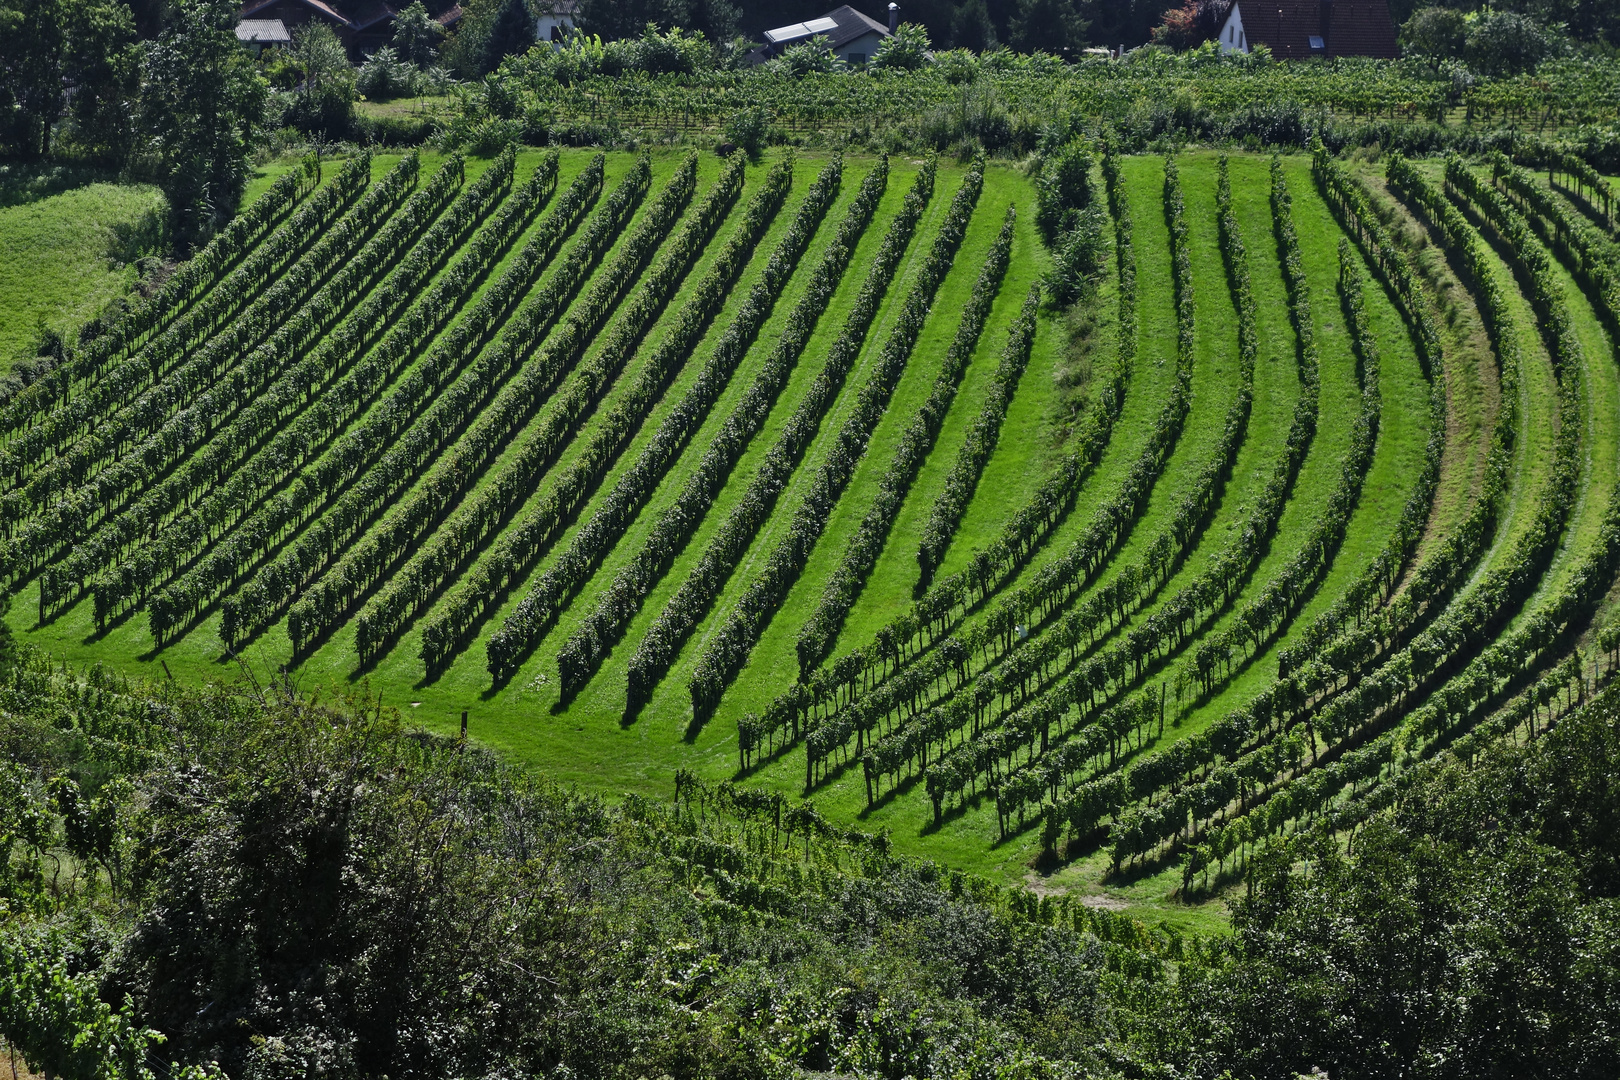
(788, 473)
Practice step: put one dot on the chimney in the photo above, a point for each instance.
(894, 17)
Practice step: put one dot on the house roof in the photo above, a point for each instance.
(262, 32)
(352, 14)
(840, 27)
(1349, 28)
(451, 17)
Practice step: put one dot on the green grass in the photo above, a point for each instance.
(65, 257)
(586, 743)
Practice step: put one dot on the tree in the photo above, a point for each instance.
(102, 66)
(31, 45)
(715, 19)
(905, 50)
(1436, 32)
(1506, 43)
(324, 100)
(1191, 24)
(201, 102)
(511, 34)
(416, 35)
(971, 27)
(1052, 26)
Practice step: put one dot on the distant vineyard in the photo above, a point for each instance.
(693, 450)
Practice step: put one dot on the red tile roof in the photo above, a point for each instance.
(1350, 28)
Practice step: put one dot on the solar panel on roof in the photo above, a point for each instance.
(799, 30)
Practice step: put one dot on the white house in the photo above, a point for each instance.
(557, 22)
(1232, 37)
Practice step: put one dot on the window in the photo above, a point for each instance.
(1316, 43)
(857, 58)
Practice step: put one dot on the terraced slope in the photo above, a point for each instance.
(773, 471)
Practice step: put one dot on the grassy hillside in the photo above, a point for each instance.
(64, 257)
(1318, 470)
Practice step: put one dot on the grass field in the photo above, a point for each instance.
(65, 256)
(77, 244)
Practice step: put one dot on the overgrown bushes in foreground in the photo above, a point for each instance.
(292, 889)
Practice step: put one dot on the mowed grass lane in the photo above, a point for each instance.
(774, 661)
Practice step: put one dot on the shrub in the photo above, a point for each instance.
(385, 76)
(957, 66)
(1506, 43)
(1435, 32)
(1062, 189)
(1077, 257)
(905, 50)
(747, 128)
(807, 58)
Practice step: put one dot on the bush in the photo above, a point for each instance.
(1062, 189)
(385, 76)
(905, 50)
(674, 53)
(807, 58)
(1437, 32)
(748, 128)
(1077, 258)
(957, 66)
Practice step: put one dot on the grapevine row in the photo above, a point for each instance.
(1392, 686)
(159, 358)
(833, 686)
(728, 650)
(228, 446)
(1000, 631)
(522, 629)
(71, 494)
(191, 279)
(498, 569)
(820, 631)
(471, 526)
(949, 600)
(1194, 605)
(583, 652)
(657, 651)
(472, 431)
(441, 376)
(313, 386)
